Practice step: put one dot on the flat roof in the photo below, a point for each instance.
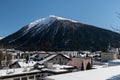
(109, 73)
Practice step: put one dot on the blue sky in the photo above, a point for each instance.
(14, 14)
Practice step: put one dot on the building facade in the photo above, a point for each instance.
(107, 56)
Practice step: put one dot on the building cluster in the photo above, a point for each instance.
(37, 65)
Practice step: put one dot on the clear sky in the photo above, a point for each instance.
(14, 14)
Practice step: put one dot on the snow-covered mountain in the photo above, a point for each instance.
(57, 33)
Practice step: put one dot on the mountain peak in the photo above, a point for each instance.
(47, 21)
(61, 18)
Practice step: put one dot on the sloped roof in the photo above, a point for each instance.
(50, 57)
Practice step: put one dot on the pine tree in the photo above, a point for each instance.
(82, 67)
(88, 66)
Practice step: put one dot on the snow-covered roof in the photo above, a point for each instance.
(50, 57)
(47, 59)
(109, 73)
(25, 70)
(62, 66)
(55, 70)
(16, 71)
(22, 63)
(29, 64)
(66, 56)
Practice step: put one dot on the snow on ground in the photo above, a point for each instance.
(109, 73)
(97, 66)
(117, 77)
(114, 62)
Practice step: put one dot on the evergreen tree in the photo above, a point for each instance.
(88, 66)
(82, 67)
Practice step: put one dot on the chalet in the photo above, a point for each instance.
(56, 59)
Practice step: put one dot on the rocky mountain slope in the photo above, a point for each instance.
(56, 33)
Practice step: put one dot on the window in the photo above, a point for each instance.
(16, 79)
(37, 77)
(56, 59)
(24, 78)
(49, 74)
(42, 75)
(31, 77)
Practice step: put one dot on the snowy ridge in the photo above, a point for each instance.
(47, 21)
(43, 21)
(60, 18)
(1, 38)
